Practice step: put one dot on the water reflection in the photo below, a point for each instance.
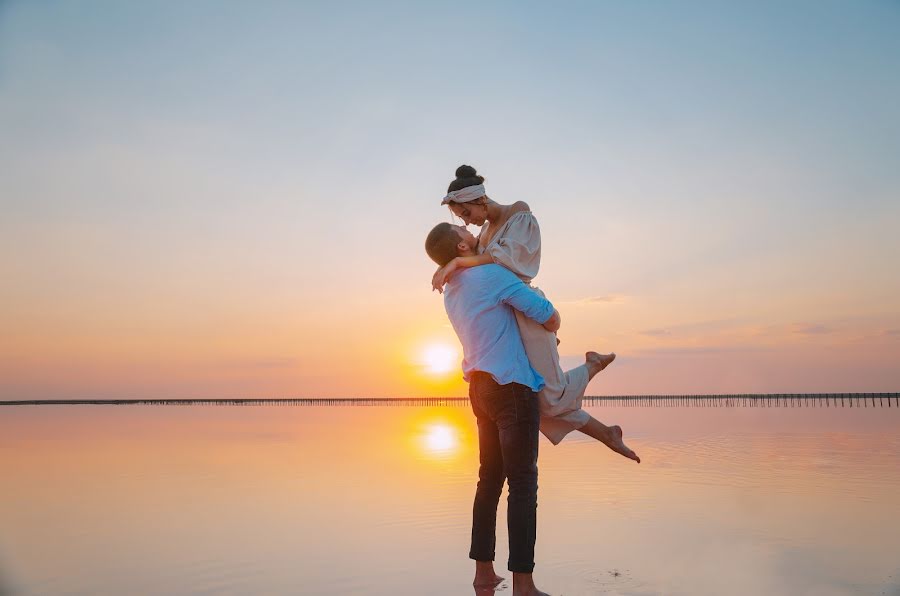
(444, 436)
(440, 439)
(107, 500)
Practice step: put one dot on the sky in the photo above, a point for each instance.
(223, 199)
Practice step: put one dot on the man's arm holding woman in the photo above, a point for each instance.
(554, 322)
(522, 298)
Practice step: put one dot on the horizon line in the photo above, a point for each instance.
(715, 400)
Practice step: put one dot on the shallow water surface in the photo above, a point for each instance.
(372, 500)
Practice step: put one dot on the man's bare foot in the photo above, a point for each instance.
(615, 443)
(523, 585)
(533, 592)
(596, 362)
(485, 577)
(487, 582)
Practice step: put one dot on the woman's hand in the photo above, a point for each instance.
(441, 276)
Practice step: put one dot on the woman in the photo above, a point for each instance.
(510, 237)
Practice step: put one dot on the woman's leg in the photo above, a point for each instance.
(561, 397)
(611, 436)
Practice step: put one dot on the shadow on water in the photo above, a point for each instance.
(5, 584)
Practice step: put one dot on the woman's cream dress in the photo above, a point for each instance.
(517, 246)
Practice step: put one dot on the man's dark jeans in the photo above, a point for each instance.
(508, 421)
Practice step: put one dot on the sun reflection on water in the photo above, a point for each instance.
(440, 439)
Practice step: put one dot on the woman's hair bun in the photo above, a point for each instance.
(465, 176)
(466, 172)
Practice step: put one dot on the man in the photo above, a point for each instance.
(503, 392)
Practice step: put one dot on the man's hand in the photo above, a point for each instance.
(441, 275)
(554, 322)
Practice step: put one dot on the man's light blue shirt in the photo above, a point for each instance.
(480, 302)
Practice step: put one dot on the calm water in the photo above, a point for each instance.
(370, 500)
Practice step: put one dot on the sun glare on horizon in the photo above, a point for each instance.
(440, 358)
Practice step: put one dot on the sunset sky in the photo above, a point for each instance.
(223, 199)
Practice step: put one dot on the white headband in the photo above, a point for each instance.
(464, 195)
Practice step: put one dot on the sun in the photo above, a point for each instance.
(440, 359)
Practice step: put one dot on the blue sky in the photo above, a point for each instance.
(719, 168)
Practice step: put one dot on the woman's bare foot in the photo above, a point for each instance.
(615, 443)
(485, 577)
(596, 362)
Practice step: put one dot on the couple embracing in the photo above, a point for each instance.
(510, 359)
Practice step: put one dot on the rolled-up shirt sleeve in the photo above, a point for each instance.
(522, 298)
(519, 247)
